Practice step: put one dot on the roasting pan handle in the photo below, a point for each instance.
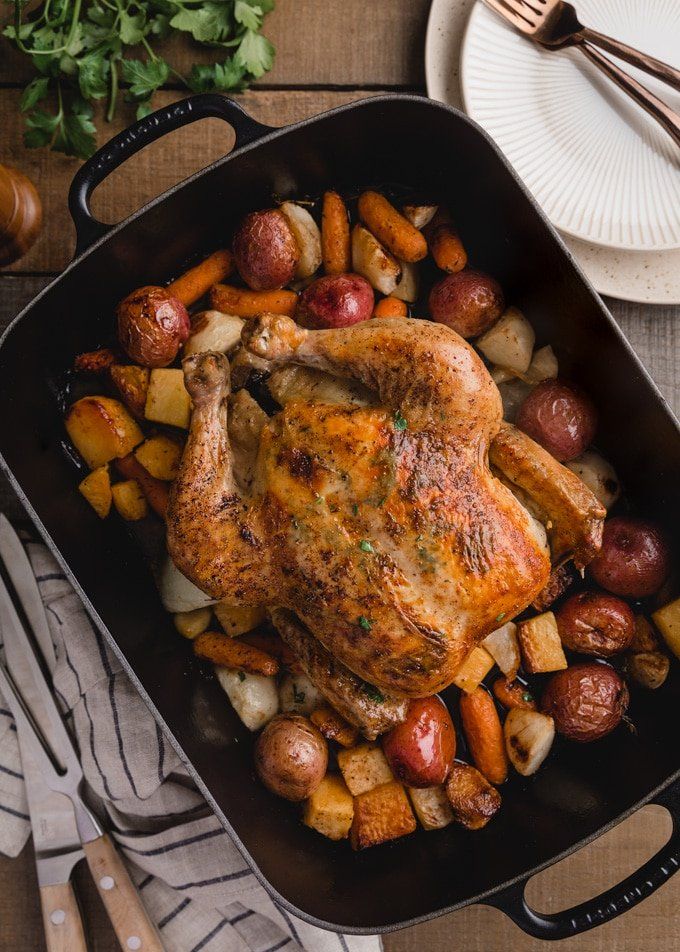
(609, 904)
(136, 137)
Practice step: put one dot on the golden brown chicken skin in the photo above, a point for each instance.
(381, 527)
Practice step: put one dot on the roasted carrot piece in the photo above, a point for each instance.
(155, 490)
(390, 307)
(484, 734)
(447, 248)
(197, 281)
(335, 244)
(233, 653)
(333, 726)
(245, 303)
(391, 228)
(94, 361)
(513, 694)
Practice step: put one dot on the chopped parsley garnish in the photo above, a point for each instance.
(527, 696)
(400, 422)
(355, 510)
(365, 623)
(500, 617)
(241, 676)
(381, 501)
(366, 546)
(371, 691)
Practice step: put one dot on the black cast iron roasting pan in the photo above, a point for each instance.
(582, 790)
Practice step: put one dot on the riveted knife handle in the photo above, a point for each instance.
(61, 919)
(130, 920)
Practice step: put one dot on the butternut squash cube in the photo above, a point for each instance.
(129, 500)
(167, 399)
(160, 456)
(381, 814)
(132, 382)
(540, 644)
(473, 670)
(667, 620)
(96, 488)
(364, 767)
(239, 619)
(330, 809)
(101, 429)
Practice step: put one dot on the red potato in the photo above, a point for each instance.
(291, 757)
(560, 418)
(586, 701)
(595, 623)
(265, 250)
(634, 560)
(152, 326)
(336, 300)
(468, 302)
(421, 749)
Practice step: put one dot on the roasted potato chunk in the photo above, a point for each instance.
(330, 809)
(381, 814)
(239, 619)
(101, 429)
(160, 456)
(474, 669)
(96, 488)
(473, 800)
(540, 643)
(129, 500)
(167, 399)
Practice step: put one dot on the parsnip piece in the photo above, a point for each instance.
(373, 262)
(214, 331)
(598, 475)
(529, 735)
(503, 647)
(510, 342)
(254, 697)
(330, 809)
(543, 366)
(540, 644)
(432, 806)
(167, 400)
(308, 238)
(474, 669)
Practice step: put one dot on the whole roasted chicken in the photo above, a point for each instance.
(389, 533)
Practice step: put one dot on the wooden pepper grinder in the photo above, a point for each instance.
(20, 214)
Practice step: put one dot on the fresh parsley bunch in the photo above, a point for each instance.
(82, 51)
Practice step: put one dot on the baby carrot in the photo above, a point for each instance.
(390, 307)
(390, 227)
(197, 281)
(245, 303)
(484, 735)
(335, 244)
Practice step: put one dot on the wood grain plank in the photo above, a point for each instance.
(318, 42)
(147, 174)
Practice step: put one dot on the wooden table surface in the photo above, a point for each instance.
(327, 53)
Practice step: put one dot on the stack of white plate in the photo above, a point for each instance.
(604, 172)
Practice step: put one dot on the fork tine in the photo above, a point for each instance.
(512, 14)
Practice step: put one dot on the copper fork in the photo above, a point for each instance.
(554, 24)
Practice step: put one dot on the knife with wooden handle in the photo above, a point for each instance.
(51, 763)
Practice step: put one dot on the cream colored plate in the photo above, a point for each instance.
(644, 276)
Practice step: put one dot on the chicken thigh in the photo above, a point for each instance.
(382, 527)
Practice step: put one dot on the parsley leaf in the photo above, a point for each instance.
(93, 76)
(249, 15)
(144, 77)
(218, 77)
(371, 691)
(255, 54)
(400, 422)
(40, 128)
(34, 93)
(365, 623)
(366, 546)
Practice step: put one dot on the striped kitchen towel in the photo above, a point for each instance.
(193, 880)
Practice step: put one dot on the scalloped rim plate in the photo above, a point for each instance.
(650, 277)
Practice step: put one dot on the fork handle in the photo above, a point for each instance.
(656, 108)
(668, 74)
